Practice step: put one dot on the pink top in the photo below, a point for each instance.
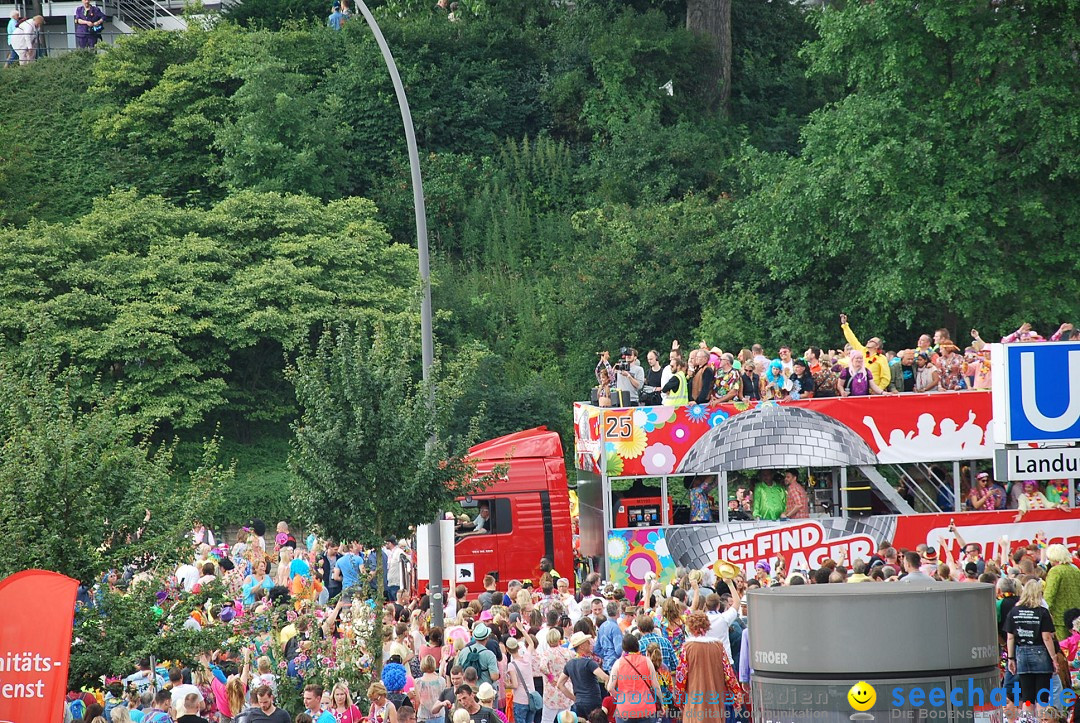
(434, 651)
(222, 701)
(1070, 646)
(351, 715)
(633, 687)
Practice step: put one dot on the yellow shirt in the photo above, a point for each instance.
(878, 365)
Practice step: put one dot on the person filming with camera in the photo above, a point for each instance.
(629, 375)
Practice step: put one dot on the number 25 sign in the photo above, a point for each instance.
(618, 425)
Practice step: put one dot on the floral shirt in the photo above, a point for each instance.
(952, 372)
(674, 632)
(552, 662)
(700, 511)
(727, 382)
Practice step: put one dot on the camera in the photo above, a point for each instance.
(621, 366)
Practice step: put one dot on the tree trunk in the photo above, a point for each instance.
(712, 20)
(376, 642)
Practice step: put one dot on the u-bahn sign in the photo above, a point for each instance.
(1037, 392)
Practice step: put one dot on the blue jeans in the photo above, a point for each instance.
(522, 714)
(1033, 659)
(13, 57)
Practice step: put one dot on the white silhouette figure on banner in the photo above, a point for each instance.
(952, 442)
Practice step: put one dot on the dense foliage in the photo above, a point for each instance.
(371, 455)
(183, 212)
(81, 488)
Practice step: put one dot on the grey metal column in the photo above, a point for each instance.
(427, 345)
(958, 503)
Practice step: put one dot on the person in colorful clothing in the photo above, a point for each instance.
(671, 624)
(798, 502)
(951, 364)
(1062, 587)
(89, 21)
(728, 385)
(770, 499)
(982, 496)
(382, 710)
(876, 362)
(1031, 498)
(700, 508)
(857, 380)
(553, 658)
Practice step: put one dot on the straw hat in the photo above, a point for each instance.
(578, 638)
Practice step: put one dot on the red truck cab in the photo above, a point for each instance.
(529, 512)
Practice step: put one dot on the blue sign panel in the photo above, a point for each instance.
(1043, 392)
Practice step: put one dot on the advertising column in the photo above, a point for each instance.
(35, 645)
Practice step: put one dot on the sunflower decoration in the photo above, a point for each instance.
(633, 446)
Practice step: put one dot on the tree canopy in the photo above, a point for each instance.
(185, 212)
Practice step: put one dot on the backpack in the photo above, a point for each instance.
(77, 708)
(825, 383)
(472, 660)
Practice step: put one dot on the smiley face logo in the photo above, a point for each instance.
(862, 696)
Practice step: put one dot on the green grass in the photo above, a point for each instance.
(261, 487)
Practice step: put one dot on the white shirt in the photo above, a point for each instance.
(393, 567)
(25, 36)
(573, 610)
(665, 376)
(186, 575)
(182, 691)
(719, 624)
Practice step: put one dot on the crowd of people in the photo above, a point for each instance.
(341, 14)
(786, 496)
(709, 374)
(24, 35)
(557, 650)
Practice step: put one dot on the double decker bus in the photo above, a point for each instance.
(895, 467)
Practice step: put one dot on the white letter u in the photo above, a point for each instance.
(1031, 407)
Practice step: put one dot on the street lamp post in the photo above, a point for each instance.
(426, 335)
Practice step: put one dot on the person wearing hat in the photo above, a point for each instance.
(951, 364)
(582, 672)
(930, 561)
(876, 362)
(337, 18)
(469, 701)
(13, 23)
(485, 695)
(477, 656)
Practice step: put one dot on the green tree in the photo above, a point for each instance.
(371, 456)
(82, 489)
(945, 185)
(187, 313)
(123, 627)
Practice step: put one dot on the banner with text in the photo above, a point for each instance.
(35, 645)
